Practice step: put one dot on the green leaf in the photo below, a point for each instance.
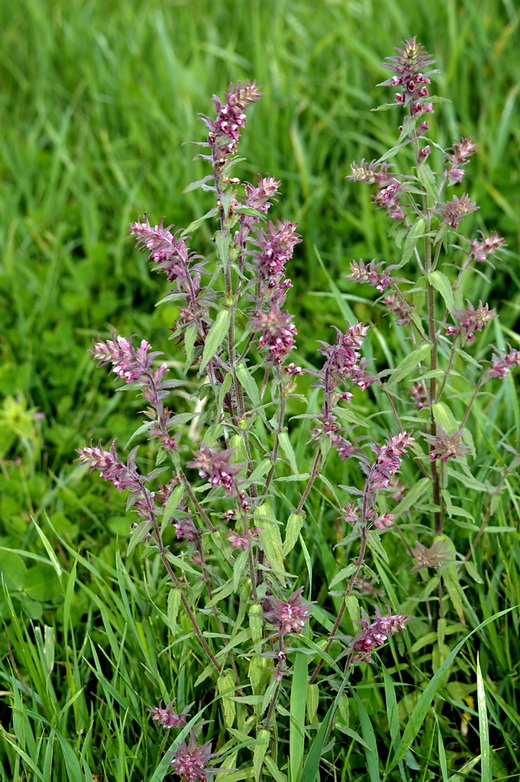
(297, 715)
(292, 531)
(190, 335)
(271, 539)
(226, 686)
(442, 284)
(427, 180)
(412, 496)
(174, 602)
(259, 753)
(215, 337)
(248, 383)
(409, 364)
(483, 728)
(369, 737)
(422, 706)
(445, 418)
(343, 574)
(286, 446)
(416, 232)
(195, 224)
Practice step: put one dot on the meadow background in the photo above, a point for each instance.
(96, 101)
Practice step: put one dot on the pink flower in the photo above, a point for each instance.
(388, 460)
(408, 67)
(399, 307)
(277, 333)
(216, 466)
(455, 210)
(491, 245)
(167, 718)
(190, 761)
(375, 633)
(224, 131)
(371, 273)
(471, 320)
(502, 364)
(445, 446)
(289, 615)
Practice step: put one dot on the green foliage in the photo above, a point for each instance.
(97, 101)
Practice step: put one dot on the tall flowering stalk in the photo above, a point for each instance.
(219, 519)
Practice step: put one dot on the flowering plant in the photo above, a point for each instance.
(226, 461)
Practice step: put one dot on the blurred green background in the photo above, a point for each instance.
(97, 101)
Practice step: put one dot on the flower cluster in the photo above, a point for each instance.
(129, 364)
(419, 393)
(408, 67)
(390, 188)
(244, 540)
(167, 718)
(434, 556)
(190, 761)
(375, 633)
(373, 273)
(455, 210)
(224, 131)
(388, 460)
(125, 477)
(216, 466)
(278, 333)
(343, 359)
(275, 247)
(471, 320)
(353, 514)
(502, 364)
(490, 245)
(444, 446)
(288, 615)
(171, 256)
(400, 307)
(459, 156)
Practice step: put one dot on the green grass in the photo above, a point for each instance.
(97, 100)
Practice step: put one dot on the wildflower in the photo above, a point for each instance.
(122, 476)
(490, 245)
(435, 556)
(125, 477)
(343, 447)
(215, 465)
(399, 307)
(243, 541)
(471, 320)
(371, 273)
(127, 363)
(342, 359)
(384, 521)
(374, 173)
(277, 332)
(408, 67)
(445, 446)
(455, 210)
(389, 198)
(289, 615)
(224, 131)
(388, 460)
(259, 197)
(167, 718)
(190, 761)
(502, 364)
(419, 393)
(275, 247)
(461, 152)
(375, 633)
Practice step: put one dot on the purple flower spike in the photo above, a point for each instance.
(446, 446)
(502, 364)
(215, 465)
(278, 333)
(224, 131)
(375, 634)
